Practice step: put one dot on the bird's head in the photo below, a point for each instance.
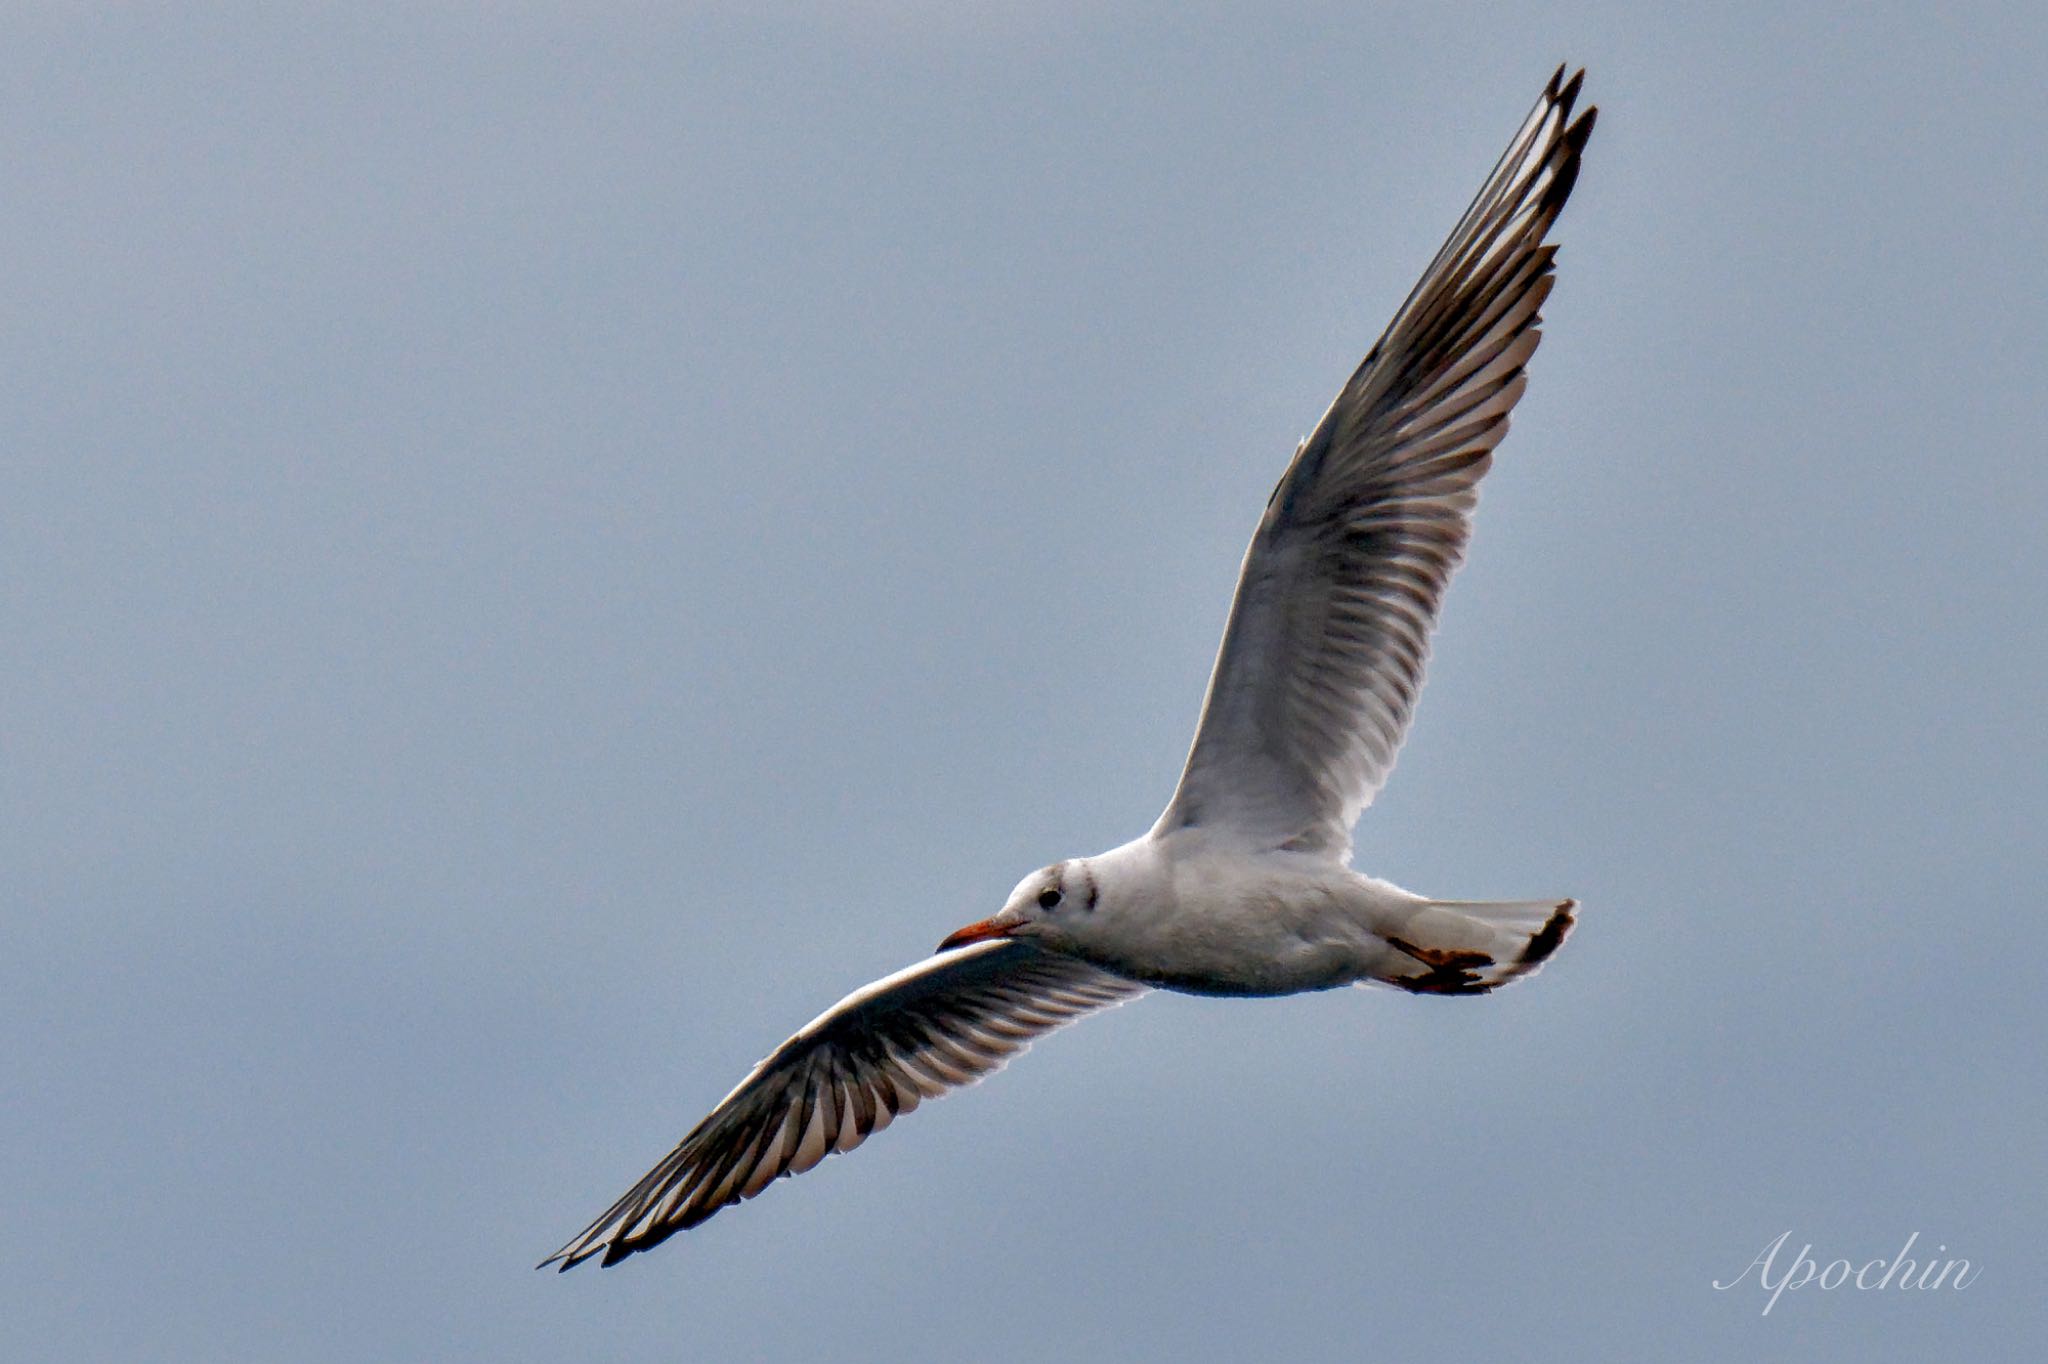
(1042, 906)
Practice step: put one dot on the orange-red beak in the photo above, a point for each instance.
(977, 932)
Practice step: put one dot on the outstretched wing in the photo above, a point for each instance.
(1329, 631)
(878, 1053)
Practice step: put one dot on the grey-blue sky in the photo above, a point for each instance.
(539, 548)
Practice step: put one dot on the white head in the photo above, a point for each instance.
(1046, 905)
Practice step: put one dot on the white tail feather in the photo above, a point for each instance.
(1467, 947)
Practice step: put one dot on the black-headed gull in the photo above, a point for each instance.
(1242, 887)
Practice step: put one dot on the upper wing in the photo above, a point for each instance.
(1329, 631)
(946, 1021)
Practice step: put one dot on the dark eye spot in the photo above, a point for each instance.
(1048, 897)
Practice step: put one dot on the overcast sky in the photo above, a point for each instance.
(540, 547)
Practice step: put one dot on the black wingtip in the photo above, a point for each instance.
(1570, 91)
(1573, 140)
(1578, 134)
(562, 1261)
(1560, 188)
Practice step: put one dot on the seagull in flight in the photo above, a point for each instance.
(1243, 887)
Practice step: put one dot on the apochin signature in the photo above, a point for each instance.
(1897, 1272)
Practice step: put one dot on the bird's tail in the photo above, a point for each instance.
(1467, 947)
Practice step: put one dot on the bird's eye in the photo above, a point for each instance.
(1048, 897)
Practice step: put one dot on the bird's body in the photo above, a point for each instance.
(1182, 913)
(1243, 886)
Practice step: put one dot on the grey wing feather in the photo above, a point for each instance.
(1328, 636)
(944, 1022)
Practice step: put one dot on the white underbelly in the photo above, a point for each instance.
(1251, 928)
